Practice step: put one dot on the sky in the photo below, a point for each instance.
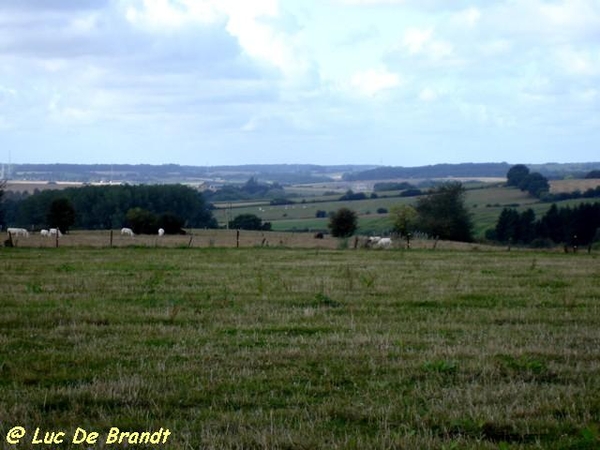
(386, 82)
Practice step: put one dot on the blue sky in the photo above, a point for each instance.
(209, 82)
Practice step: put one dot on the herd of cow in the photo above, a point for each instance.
(370, 242)
(129, 232)
(54, 232)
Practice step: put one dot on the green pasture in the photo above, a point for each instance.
(276, 348)
(485, 204)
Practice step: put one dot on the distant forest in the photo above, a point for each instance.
(435, 171)
(277, 173)
(174, 173)
(105, 207)
(467, 170)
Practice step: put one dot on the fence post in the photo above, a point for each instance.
(237, 239)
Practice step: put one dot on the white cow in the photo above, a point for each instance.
(384, 243)
(372, 241)
(54, 232)
(44, 233)
(17, 232)
(127, 232)
(161, 232)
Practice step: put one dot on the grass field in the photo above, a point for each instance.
(279, 348)
(557, 186)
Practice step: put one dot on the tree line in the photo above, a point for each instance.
(538, 186)
(144, 208)
(252, 189)
(573, 226)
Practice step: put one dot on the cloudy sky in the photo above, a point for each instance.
(208, 82)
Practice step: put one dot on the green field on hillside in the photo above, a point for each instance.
(484, 203)
(301, 349)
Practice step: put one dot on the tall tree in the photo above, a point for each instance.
(507, 225)
(343, 223)
(553, 225)
(535, 183)
(526, 231)
(443, 213)
(516, 174)
(142, 221)
(61, 214)
(249, 222)
(405, 219)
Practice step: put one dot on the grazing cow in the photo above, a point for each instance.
(371, 241)
(18, 232)
(126, 232)
(54, 232)
(384, 243)
(161, 232)
(44, 233)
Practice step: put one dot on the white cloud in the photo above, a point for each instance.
(439, 50)
(84, 24)
(495, 47)
(373, 81)
(471, 16)
(372, 2)
(261, 41)
(165, 15)
(421, 42)
(428, 95)
(579, 62)
(248, 22)
(5, 124)
(7, 92)
(588, 95)
(572, 14)
(415, 39)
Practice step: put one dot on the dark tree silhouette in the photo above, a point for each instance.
(516, 174)
(343, 223)
(442, 213)
(536, 184)
(61, 214)
(142, 221)
(2, 187)
(249, 222)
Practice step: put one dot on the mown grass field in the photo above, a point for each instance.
(279, 348)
